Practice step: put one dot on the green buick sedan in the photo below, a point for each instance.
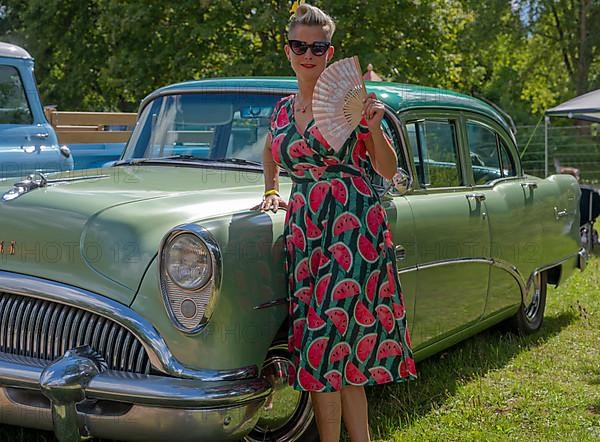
(147, 300)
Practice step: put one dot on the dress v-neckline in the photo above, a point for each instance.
(308, 125)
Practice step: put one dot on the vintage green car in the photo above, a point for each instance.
(147, 300)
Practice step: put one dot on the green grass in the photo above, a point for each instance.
(495, 386)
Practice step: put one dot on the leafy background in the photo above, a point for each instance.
(525, 55)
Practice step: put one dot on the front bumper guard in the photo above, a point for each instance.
(155, 407)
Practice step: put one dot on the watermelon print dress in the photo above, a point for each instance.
(348, 324)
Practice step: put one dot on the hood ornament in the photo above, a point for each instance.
(31, 182)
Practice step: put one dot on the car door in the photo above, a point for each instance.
(512, 206)
(27, 143)
(451, 229)
(400, 218)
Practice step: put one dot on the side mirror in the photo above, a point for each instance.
(401, 181)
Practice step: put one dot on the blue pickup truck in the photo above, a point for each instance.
(28, 142)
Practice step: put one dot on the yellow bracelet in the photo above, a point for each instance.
(271, 192)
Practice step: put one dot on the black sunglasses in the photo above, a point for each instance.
(318, 48)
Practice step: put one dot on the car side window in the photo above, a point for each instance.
(14, 108)
(483, 151)
(508, 163)
(392, 134)
(435, 150)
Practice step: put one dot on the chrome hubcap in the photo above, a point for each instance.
(286, 411)
(532, 309)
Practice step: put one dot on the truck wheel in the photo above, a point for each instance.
(529, 318)
(287, 414)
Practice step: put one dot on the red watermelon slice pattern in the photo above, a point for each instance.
(366, 249)
(386, 317)
(361, 185)
(346, 288)
(339, 352)
(388, 348)
(334, 377)
(342, 255)
(317, 195)
(296, 203)
(353, 374)
(308, 382)
(362, 315)
(314, 321)
(371, 285)
(301, 272)
(339, 317)
(344, 222)
(298, 238)
(317, 260)
(375, 218)
(381, 375)
(339, 191)
(315, 351)
(321, 287)
(299, 149)
(365, 346)
(312, 231)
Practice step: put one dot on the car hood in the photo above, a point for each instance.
(101, 230)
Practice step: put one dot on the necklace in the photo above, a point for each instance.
(300, 108)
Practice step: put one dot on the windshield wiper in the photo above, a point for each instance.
(188, 157)
(168, 157)
(239, 161)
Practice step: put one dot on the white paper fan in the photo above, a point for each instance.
(338, 100)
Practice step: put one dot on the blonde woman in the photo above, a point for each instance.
(347, 323)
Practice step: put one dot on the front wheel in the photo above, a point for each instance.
(529, 318)
(287, 414)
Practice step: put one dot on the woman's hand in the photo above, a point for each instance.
(272, 202)
(373, 111)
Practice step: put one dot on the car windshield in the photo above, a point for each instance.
(204, 126)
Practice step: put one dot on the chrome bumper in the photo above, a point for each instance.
(77, 402)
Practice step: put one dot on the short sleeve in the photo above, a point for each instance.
(273, 122)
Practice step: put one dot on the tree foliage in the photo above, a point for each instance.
(525, 55)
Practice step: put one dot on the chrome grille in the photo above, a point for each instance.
(46, 330)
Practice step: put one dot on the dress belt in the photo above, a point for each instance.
(325, 173)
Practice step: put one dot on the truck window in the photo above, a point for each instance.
(14, 108)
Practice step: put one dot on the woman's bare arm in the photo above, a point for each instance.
(382, 154)
(271, 169)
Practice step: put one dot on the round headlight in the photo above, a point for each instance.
(188, 261)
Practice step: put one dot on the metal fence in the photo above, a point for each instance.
(568, 146)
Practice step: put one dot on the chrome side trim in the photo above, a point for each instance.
(524, 285)
(273, 303)
(211, 289)
(159, 354)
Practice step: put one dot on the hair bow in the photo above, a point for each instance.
(296, 4)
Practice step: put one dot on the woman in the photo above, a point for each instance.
(347, 323)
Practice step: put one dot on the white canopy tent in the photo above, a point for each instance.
(584, 107)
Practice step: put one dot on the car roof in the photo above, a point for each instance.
(13, 51)
(398, 96)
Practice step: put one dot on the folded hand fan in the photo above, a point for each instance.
(338, 101)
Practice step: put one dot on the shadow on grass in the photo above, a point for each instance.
(393, 406)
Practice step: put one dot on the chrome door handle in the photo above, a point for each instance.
(475, 196)
(529, 185)
(558, 214)
(400, 253)
(41, 135)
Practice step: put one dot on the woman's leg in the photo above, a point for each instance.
(355, 413)
(328, 412)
